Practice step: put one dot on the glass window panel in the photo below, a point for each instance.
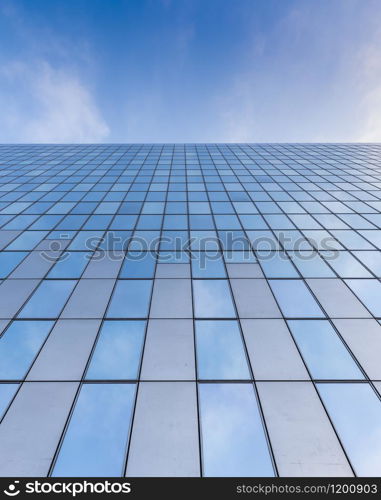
(123, 222)
(174, 240)
(233, 439)
(86, 240)
(204, 240)
(199, 207)
(70, 265)
(324, 353)
(9, 261)
(276, 265)
(227, 222)
(352, 240)
(292, 240)
(372, 236)
(48, 300)
(201, 222)
(245, 207)
(130, 299)
(118, 351)
(173, 257)
(149, 222)
(138, 265)
(304, 222)
(212, 299)
(19, 345)
(311, 265)
(244, 256)
(346, 266)
(72, 222)
(46, 222)
(207, 265)
(355, 411)
(7, 391)
(19, 222)
(27, 240)
(175, 222)
(234, 241)
(220, 352)
(95, 441)
(279, 222)
(294, 299)
(321, 240)
(263, 240)
(253, 222)
(164, 439)
(98, 222)
(371, 259)
(369, 292)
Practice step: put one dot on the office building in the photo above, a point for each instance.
(190, 310)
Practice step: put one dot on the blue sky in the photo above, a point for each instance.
(190, 70)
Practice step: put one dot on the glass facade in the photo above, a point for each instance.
(190, 310)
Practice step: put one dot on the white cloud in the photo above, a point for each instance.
(371, 123)
(44, 104)
(321, 83)
(368, 69)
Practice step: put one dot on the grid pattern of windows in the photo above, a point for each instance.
(190, 309)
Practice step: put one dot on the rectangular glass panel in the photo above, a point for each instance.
(48, 300)
(7, 391)
(324, 353)
(369, 292)
(118, 351)
(212, 299)
(70, 265)
(346, 266)
(130, 299)
(207, 265)
(19, 345)
(220, 352)
(95, 441)
(311, 265)
(355, 411)
(8, 262)
(138, 265)
(276, 265)
(233, 439)
(294, 299)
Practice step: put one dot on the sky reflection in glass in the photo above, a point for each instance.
(220, 352)
(355, 411)
(212, 299)
(96, 438)
(19, 345)
(323, 351)
(118, 351)
(233, 439)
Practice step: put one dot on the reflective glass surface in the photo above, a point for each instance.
(48, 300)
(95, 440)
(7, 391)
(355, 410)
(130, 299)
(323, 351)
(294, 299)
(212, 298)
(195, 297)
(233, 439)
(118, 351)
(19, 345)
(220, 352)
(8, 261)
